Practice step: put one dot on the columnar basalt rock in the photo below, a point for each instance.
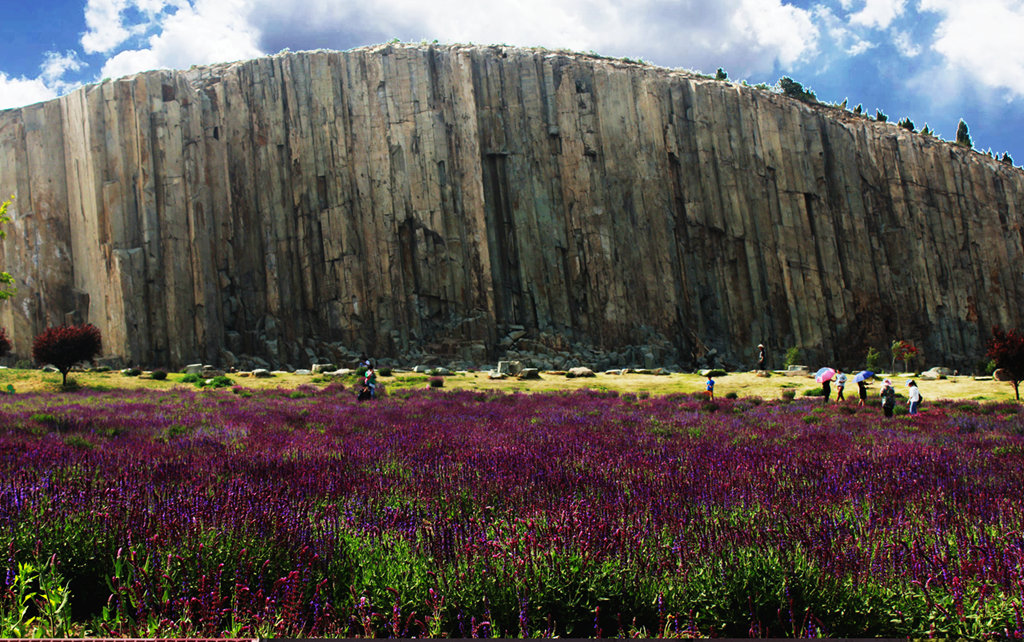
(401, 198)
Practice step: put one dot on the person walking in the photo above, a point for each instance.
(888, 394)
(371, 381)
(761, 362)
(826, 390)
(840, 386)
(711, 387)
(862, 392)
(914, 400)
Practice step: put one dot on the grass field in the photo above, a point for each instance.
(743, 384)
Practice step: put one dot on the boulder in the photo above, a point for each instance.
(261, 373)
(323, 367)
(529, 373)
(193, 368)
(580, 371)
(510, 367)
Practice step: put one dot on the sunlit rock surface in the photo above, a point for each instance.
(469, 201)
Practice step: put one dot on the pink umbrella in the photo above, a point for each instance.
(825, 374)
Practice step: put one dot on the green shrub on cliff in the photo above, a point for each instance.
(793, 89)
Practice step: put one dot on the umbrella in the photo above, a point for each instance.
(863, 375)
(825, 374)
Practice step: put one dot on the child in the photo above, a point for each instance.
(711, 387)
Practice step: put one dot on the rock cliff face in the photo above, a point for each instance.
(465, 201)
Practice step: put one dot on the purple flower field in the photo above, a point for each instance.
(466, 514)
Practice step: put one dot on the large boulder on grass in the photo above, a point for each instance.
(579, 371)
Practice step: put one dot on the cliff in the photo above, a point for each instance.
(473, 201)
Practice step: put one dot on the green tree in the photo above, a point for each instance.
(6, 280)
(1006, 159)
(963, 135)
(793, 89)
(871, 360)
(721, 75)
(792, 357)
(880, 117)
(907, 124)
(926, 131)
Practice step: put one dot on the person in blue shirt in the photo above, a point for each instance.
(711, 387)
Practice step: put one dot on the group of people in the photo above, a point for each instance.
(887, 393)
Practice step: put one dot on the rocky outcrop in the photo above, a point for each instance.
(476, 201)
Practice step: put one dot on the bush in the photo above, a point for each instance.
(220, 381)
(963, 136)
(436, 382)
(131, 372)
(384, 372)
(814, 392)
(793, 89)
(64, 346)
(159, 375)
(717, 372)
(731, 395)
(788, 395)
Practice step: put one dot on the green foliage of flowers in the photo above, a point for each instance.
(470, 514)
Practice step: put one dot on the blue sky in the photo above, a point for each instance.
(934, 61)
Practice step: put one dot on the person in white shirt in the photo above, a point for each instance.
(914, 401)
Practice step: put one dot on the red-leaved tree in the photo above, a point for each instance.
(66, 345)
(904, 351)
(1007, 350)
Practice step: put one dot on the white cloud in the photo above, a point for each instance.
(745, 36)
(878, 13)
(859, 47)
(56, 65)
(105, 28)
(906, 45)
(783, 30)
(982, 40)
(207, 31)
(16, 92)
